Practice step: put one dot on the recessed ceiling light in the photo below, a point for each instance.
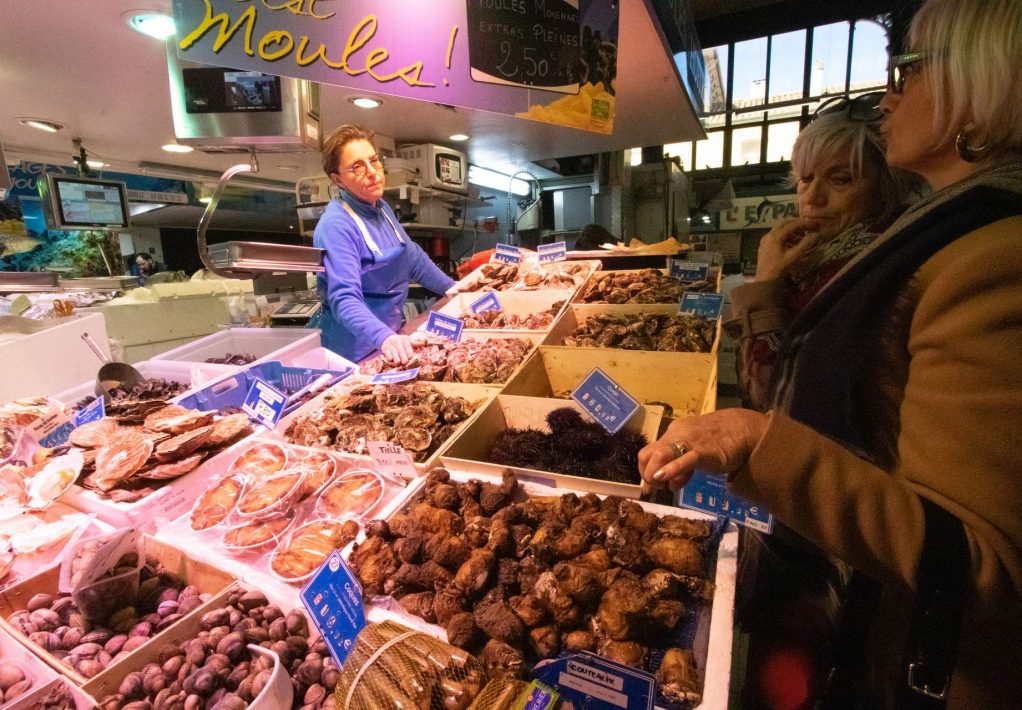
(459, 137)
(157, 25)
(365, 102)
(41, 124)
(97, 164)
(178, 148)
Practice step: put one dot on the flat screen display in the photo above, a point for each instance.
(212, 90)
(82, 203)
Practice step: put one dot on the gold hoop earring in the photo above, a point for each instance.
(967, 152)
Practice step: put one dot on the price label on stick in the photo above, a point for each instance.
(688, 270)
(507, 253)
(333, 598)
(704, 305)
(558, 251)
(444, 326)
(488, 302)
(605, 401)
(94, 411)
(391, 460)
(264, 403)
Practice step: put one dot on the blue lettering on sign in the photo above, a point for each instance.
(57, 437)
(389, 378)
(588, 681)
(488, 302)
(444, 326)
(709, 494)
(688, 270)
(264, 403)
(333, 598)
(507, 253)
(704, 305)
(92, 412)
(605, 401)
(558, 251)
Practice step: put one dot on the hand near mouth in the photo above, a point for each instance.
(783, 245)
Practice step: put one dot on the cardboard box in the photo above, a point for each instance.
(468, 452)
(206, 577)
(686, 386)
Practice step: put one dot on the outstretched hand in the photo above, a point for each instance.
(398, 349)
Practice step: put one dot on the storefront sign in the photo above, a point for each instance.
(688, 270)
(709, 494)
(605, 401)
(264, 403)
(488, 302)
(558, 251)
(758, 212)
(92, 412)
(444, 326)
(507, 253)
(704, 305)
(589, 681)
(390, 378)
(333, 598)
(514, 57)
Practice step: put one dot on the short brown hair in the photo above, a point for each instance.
(338, 139)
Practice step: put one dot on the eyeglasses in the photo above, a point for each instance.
(902, 66)
(864, 108)
(359, 168)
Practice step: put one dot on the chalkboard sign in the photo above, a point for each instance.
(529, 43)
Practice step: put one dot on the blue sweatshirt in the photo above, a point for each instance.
(360, 324)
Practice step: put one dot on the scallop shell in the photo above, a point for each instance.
(227, 429)
(216, 503)
(269, 492)
(256, 533)
(125, 452)
(183, 444)
(167, 412)
(262, 458)
(57, 476)
(94, 434)
(172, 470)
(309, 546)
(354, 493)
(180, 423)
(320, 469)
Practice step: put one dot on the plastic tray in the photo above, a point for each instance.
(265, 343)
(189, 374)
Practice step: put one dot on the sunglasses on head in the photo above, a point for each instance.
(864, 108)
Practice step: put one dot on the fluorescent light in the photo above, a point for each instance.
(178, 148)
(288, 167)
(206, 200)
(97, 164)
(459, 137)
(365, 102)
(484, 177)
(157, 25)
(137, 208)
(41, 124)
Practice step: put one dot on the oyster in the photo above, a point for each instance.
(256, 533)
(270, 492)
(415, 417)
(125, 452)
(413, 439)
(640, 286)
(309, 546)
(679, 332)
(216, 503)
(354, 493)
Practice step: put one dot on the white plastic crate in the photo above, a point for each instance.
(319, 359)
(265, 343)
(189, 374)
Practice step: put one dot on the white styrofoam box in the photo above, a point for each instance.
(265, 343)
(51, 359)
(319, 359)
(191, 374)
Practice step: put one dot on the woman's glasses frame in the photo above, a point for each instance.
(359, 167)
(902, 66)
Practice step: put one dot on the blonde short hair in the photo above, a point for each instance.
(976, 69)
(333, 145)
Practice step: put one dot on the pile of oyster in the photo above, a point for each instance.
(470, 361)
(544, 276)
(678, 332)
(415, 416)
(490, 320)
(644, 286)
(141, 445)
(519, 579)
(494, 276)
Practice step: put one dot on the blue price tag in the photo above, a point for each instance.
(709, 494)
(688, 270)
(58, 437)
(704, 305)
(594, 683)
(488, 302)
(333, 598)
(389, 378)
(507, 253)
(605, 401)
(92, 412)
(558, 251)
(444, 326)
(264, 403)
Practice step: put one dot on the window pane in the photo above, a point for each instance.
(634, 156)
(869, 55)
(680, 150)
(710, 152)
(787, 65)
(750, 72)
(714, 95)
(745, 144)
(830, 58)
(747, 117)
(780, 139)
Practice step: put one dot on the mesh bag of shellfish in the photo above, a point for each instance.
(393, 667)
(499, 694)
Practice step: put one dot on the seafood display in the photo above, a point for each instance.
(232, 359)
(564, 275)
(469, 361)
(491, 320)
(519, 579)
(14, 682)
(152, 388)
(416, 416)
(643, 286)
(130, 455)
(678, 332)
(494, 276)
(309, 545)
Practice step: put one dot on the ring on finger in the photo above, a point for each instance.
(678, 450)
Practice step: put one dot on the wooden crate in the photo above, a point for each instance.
(714, 275)
(519, 303)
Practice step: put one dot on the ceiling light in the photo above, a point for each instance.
(157, 25)
(459, 137)
(206, 200)
(288, 167)
(365, 102)
(97, 164)
(484, 177)
(41, 124)
(178, 148)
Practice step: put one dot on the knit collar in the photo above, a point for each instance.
(363, 209)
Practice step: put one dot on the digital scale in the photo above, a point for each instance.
(295, 312)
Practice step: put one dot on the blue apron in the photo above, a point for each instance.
(384, 288)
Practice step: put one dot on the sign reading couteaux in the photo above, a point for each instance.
(543, 61)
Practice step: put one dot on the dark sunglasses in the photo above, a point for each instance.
(902, 66)
(864, 108)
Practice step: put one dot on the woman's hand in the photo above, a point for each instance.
(781, 247)
(398, 349)
(719, 442)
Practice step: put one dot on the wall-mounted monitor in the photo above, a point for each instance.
(213, 90)
(84, 203)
